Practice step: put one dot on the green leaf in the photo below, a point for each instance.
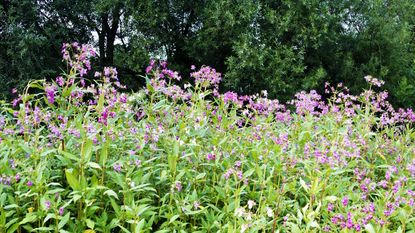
(67, 91)
(304, 185)
(100, 104)
(64, 220)
(48, 216)
(140, 225)
(68, 155)
(13, 228)
(94, 165)
(331, 198)
(9, 223)
(399, 230)
(86, 152)
(295, 228)
(313, 224)
(71, 177)
(123, 228)
(200, 176)
(104, 153)
(90, 223)
(116, 207)
(111, 193)
(30, 217)
(48, 229)
(172, 157)
(369, 228)
(12, 206)
(162, 231)
(150, 88)
(172, 219)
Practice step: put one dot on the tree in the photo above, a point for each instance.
(283, 46)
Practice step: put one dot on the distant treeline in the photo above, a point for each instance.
(282, 46)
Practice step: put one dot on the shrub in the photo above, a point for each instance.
(81, 156)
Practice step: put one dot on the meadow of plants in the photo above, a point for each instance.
(79, 155)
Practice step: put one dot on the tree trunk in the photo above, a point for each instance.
(107, 35)
(101, 39)
(111, 34)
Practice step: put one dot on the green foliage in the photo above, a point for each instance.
(79, 156)
(279, 46)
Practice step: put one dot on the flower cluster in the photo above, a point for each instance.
(207, 77)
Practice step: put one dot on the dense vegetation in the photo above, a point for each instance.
(280, 46)
(79, 156)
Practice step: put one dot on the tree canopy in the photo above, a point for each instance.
(280, 46)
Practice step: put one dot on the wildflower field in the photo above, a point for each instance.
(79, 155)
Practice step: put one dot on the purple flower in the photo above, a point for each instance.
(345, 201)
(60, 81)
(374, 81)
(228, 173)
(107, 71)
(137, 162)
(29, 183)
(178, 186)
(148, 69)
(251, 204)
(207, 77)
(47, 205)
(231, 97)
(97, 74)
(117, 167)
(50, 94)
(210, 157)
(330, 207)
(349, 223)
(163, 64)
(61, 211)
(239, 174)
(196, 205)
(326, 228)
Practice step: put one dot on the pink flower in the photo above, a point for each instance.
(148, 69)
(61, 210)
(47, 205)
(178, 186)
(330, 207)
(50, 94)
(251, 204)
(210, 156)
(345, 201)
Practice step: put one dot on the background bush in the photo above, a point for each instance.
(281, 46)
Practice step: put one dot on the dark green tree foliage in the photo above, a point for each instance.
(168, 29)
(301, 45)
(282, 46)
(31, 35)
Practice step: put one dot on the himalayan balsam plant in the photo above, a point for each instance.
(79, 155)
